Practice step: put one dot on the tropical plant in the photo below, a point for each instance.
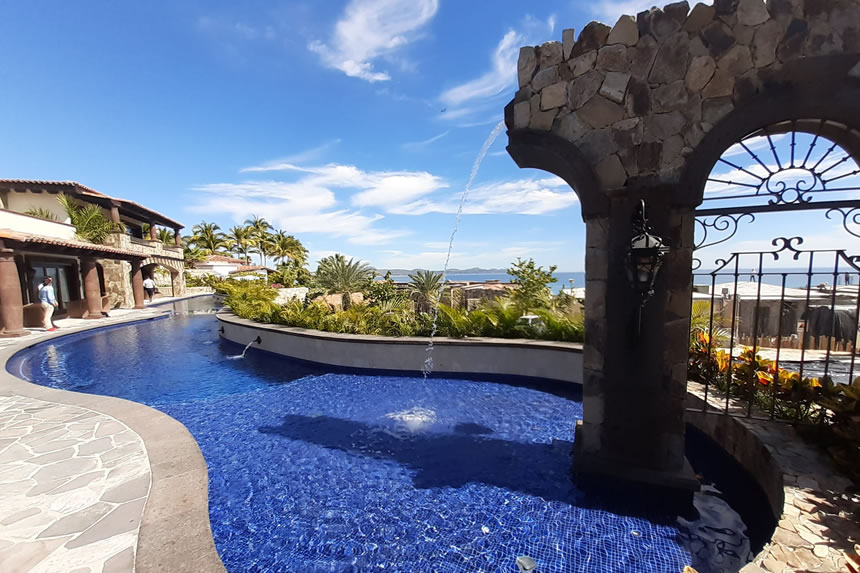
(382, 291)
(208, 236)
(89, 221)
(259, 228)
(240, 240)
(41, 213)
(287, 247)
(531, 280)
(250, 299)
(166, 236)
(425, 287)
(338, 275)
(192, 253)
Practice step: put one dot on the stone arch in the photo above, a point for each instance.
(646, 107)
(637, 99)
(549, 152)
(174, 267)
(824, 102)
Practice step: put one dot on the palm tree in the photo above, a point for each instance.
(241, 240)
(165, 236)
(288, 247)
(193, 253)
(425, 286)
(259, 229)
(337, 275)
(208, 236)
(89, 220)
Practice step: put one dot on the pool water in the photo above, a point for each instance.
(317, 470)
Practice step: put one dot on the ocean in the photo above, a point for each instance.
(796, 278)
(563, 279)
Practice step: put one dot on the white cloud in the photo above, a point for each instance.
(415, 145)
(523, 197)
(500, 76)
(289, 161)
(309, 204)
(370, 29)
(465, 256)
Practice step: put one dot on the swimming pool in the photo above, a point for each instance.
(316, 470)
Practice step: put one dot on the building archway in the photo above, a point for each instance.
(647, 107)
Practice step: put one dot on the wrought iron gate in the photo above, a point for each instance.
(774, 330)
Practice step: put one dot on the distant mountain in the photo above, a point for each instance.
(472, 271)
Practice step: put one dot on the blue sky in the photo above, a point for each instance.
(324, 117)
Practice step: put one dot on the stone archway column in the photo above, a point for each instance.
(11, 303)
(92, 290)
(137, 283)
(635, 382)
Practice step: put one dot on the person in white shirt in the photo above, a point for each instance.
(149, 287)
(48, 300)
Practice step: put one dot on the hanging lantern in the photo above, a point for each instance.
(644, 258)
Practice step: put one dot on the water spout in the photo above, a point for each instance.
(257, 340)
(428, 362)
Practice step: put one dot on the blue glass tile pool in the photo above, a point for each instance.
(314, 470)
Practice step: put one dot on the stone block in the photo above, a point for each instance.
(694, 135)
(764, 43)
(553, 96)
(615, 87)
(526, 65)
(713, 110)
(550, 54)
(593, 405)
(596, 269)
(522, 114)
(721, 84)
(678, 11)
(785, 8)
(544, 78)
(583, 89)
(747, 86)
(610, 172)
(593, 36)
(672, 58)
(542, 120)
(582, 64)
(791, 46)
(596, 144)
(736, 61)
(663, 24)
(821, 40)
(701, 16)
(600, 112)
(624, 32)
(700, 72)
(642, 57)
(597, 233)
(662, 126)
(672, 149)
(638, 102)
(648, 156)
(752, 12)
(718, 38)
(613, 58)
(568, 39)
(697, 47)
(669, 97)
(570, 127)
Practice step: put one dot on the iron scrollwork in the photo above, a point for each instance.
(720, 224)
(850, 219)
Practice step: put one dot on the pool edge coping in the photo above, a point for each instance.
(175, 532)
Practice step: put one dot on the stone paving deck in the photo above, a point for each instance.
(73, 484)
(818, 526)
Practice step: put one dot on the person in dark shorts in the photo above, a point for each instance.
(149, 287)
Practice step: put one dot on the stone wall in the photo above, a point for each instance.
(118, 283)
(639, 97)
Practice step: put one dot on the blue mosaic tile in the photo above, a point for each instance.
(312, 470)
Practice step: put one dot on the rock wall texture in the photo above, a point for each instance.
(637, 98)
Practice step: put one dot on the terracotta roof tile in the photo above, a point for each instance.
(25, 238)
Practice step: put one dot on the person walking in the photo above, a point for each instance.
(149, 287)
(48, 300)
